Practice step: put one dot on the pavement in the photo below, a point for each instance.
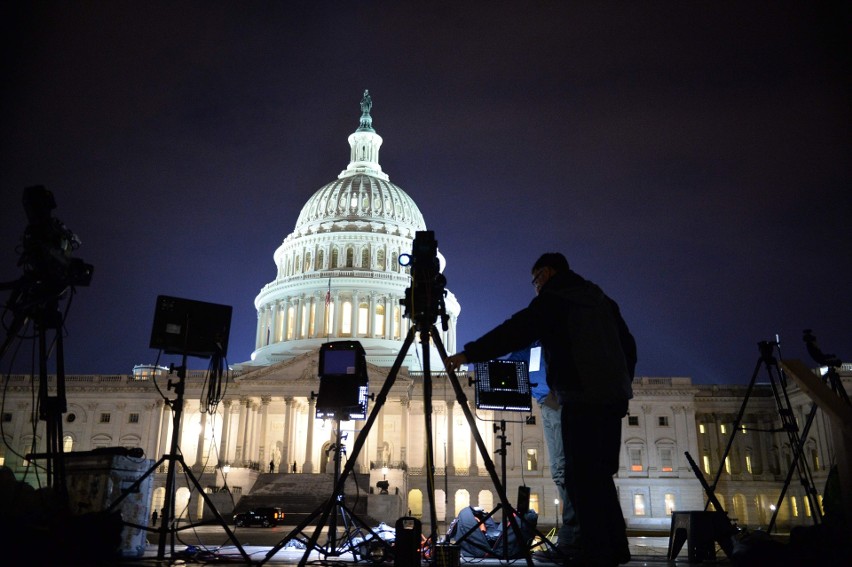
(646, 551)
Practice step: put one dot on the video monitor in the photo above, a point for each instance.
(503, 385)
(194, 328)
(343, 381)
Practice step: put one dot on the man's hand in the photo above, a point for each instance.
(454, 361)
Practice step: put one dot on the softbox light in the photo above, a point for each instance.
(194, 328)
(502, 385)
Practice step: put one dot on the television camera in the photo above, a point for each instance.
(424, 299)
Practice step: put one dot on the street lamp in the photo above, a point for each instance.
(226, 468)
(556, 503)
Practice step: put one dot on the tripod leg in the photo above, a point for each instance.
(509, 511)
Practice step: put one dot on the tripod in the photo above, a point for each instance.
(798, 463)
(168, 524)
(507, 521)
(427, 332)
(352, 524)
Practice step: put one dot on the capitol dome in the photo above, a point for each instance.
(338, 275)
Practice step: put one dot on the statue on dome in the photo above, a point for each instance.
(366, 119)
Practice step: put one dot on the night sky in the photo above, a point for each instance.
(692, 158)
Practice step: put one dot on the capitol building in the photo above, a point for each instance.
(337, 278)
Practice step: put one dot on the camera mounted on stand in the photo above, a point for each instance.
(46, 253)
(424, 300)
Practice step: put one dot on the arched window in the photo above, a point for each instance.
(462, 501)
(334, 258)
(298, 264)
(415, 502)
(380, 259)
(320, 260)
(365, 258)
(308, 262)
(350, 257)
(67, 444)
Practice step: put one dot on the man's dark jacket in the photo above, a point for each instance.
(590, 353)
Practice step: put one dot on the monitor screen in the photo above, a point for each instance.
(339, 362)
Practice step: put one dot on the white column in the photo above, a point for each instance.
(199, 449)
(288, 434)
(226, 424)
(451, 465)
(239, 455)
(474, 467)
(264, 416)
(308, 466)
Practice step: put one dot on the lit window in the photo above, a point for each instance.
(133, 418)
(748, 463)
(728, 465)
(633, 420)
(743, 429)
(670, 504)
(807, 507)
(363, 318)
(67, 444)
(636, 460)
(815, 459)
(534, 502)
(312, 319)
(794, 506)
(723, 428)
(346, 323)
(701, 428)
(666, 460)
(706, 460)
(638, 504)
(379, 326)
(105, 418)
(663, 421)
(532, 460)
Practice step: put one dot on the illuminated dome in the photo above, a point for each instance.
(362, 201)
(338, 277)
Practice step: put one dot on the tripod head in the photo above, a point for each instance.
(424, 300)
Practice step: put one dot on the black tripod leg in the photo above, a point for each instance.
(509, 511)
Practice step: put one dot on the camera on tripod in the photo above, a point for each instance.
(48, 244)
(424, 300)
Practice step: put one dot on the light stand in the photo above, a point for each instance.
(798, 463)
(187, 328)
(168, 521)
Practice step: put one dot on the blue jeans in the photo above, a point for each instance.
(551, 421)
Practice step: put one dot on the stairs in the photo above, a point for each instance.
(299, 495)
